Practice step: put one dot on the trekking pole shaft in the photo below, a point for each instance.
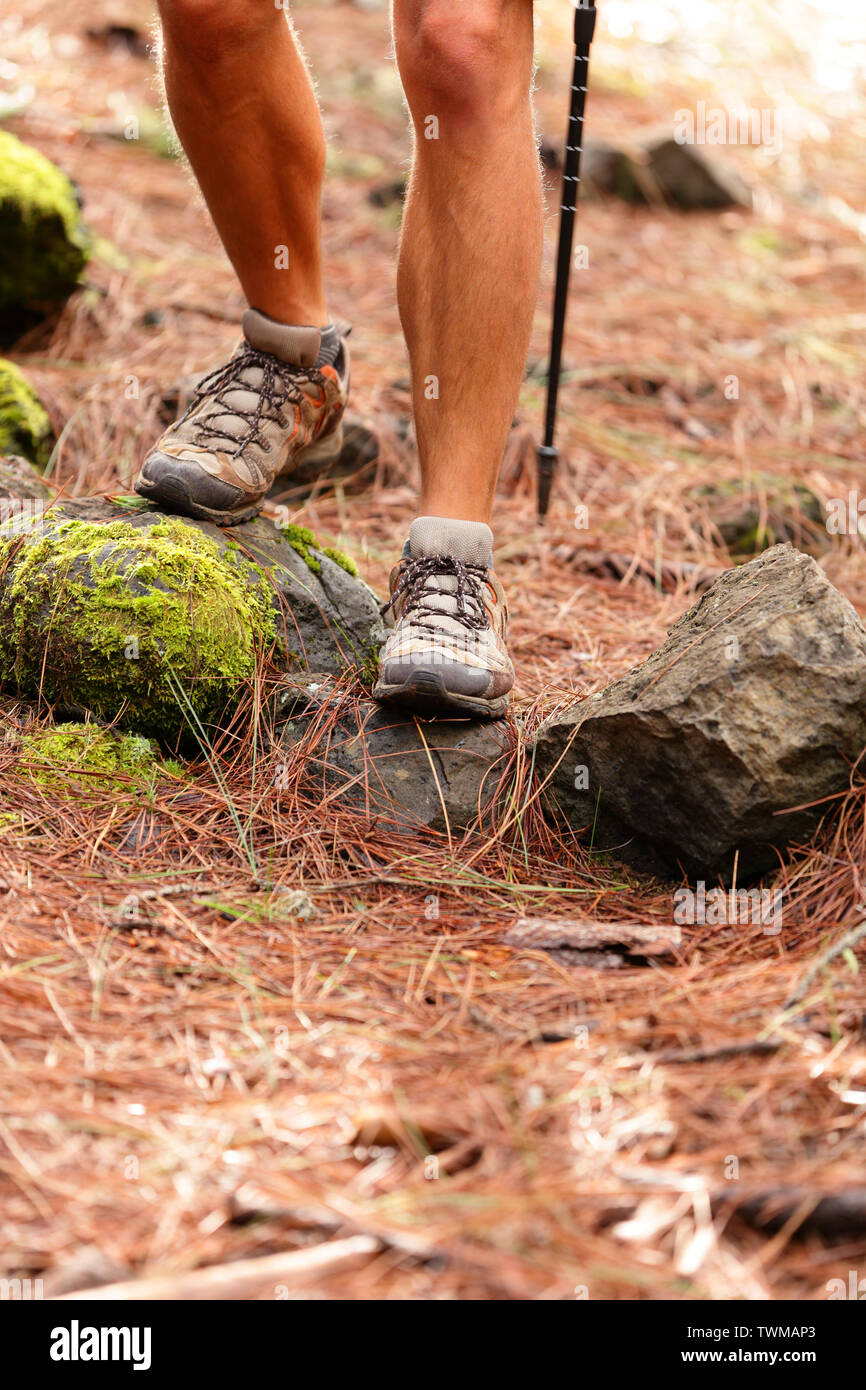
(584, 24)
(567, 219)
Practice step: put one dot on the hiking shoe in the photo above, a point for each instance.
(446, 653)
(249, 422)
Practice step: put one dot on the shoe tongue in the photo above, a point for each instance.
(238, 400)
(297, 344)
(470, 541)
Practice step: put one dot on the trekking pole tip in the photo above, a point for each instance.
(547, 457)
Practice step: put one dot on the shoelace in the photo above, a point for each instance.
(417, 582)
(277, 388)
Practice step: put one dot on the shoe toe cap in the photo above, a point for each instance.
(456, 677)
(182, 482)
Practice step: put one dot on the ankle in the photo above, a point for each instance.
(455, 509)
(310, 311)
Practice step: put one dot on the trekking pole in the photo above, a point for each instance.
(584, 25)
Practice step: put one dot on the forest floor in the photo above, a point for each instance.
(223, 1081)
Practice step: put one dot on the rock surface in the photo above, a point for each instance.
(45, 246)
(113, 606)
(19, 482)
(754, 705)
(405, 774)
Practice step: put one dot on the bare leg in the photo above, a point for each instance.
(244, 109)
(471, 243)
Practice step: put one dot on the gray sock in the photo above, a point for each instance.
(330, 346)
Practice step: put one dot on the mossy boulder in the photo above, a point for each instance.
(759, 510)
(157, 623)
(129, 622)
(45, 245)
(70, 756)
(25, 428)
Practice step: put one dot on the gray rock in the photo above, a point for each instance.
(688, 178)
(330, 617)
(660, 170)
(606, 169)
(403, 773)
(755, 704)
(20, 482)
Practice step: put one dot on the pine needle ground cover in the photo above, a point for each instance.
(237, 1016)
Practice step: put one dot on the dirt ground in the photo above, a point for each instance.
(220, 1080)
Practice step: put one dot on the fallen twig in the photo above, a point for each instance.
(843, 943)
(292, 1269)
(547, 933)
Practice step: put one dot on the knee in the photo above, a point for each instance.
(465, 62)
(211, 26)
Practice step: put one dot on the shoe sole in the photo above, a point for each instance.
(176, 497)
(426, 693)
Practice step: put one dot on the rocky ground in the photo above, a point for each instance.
(245, 1009)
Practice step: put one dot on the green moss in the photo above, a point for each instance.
(112, 617)
(73, 755)
(45, 246)
(342, 560)
(24, 425)
(302, 540)
(369, 672)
